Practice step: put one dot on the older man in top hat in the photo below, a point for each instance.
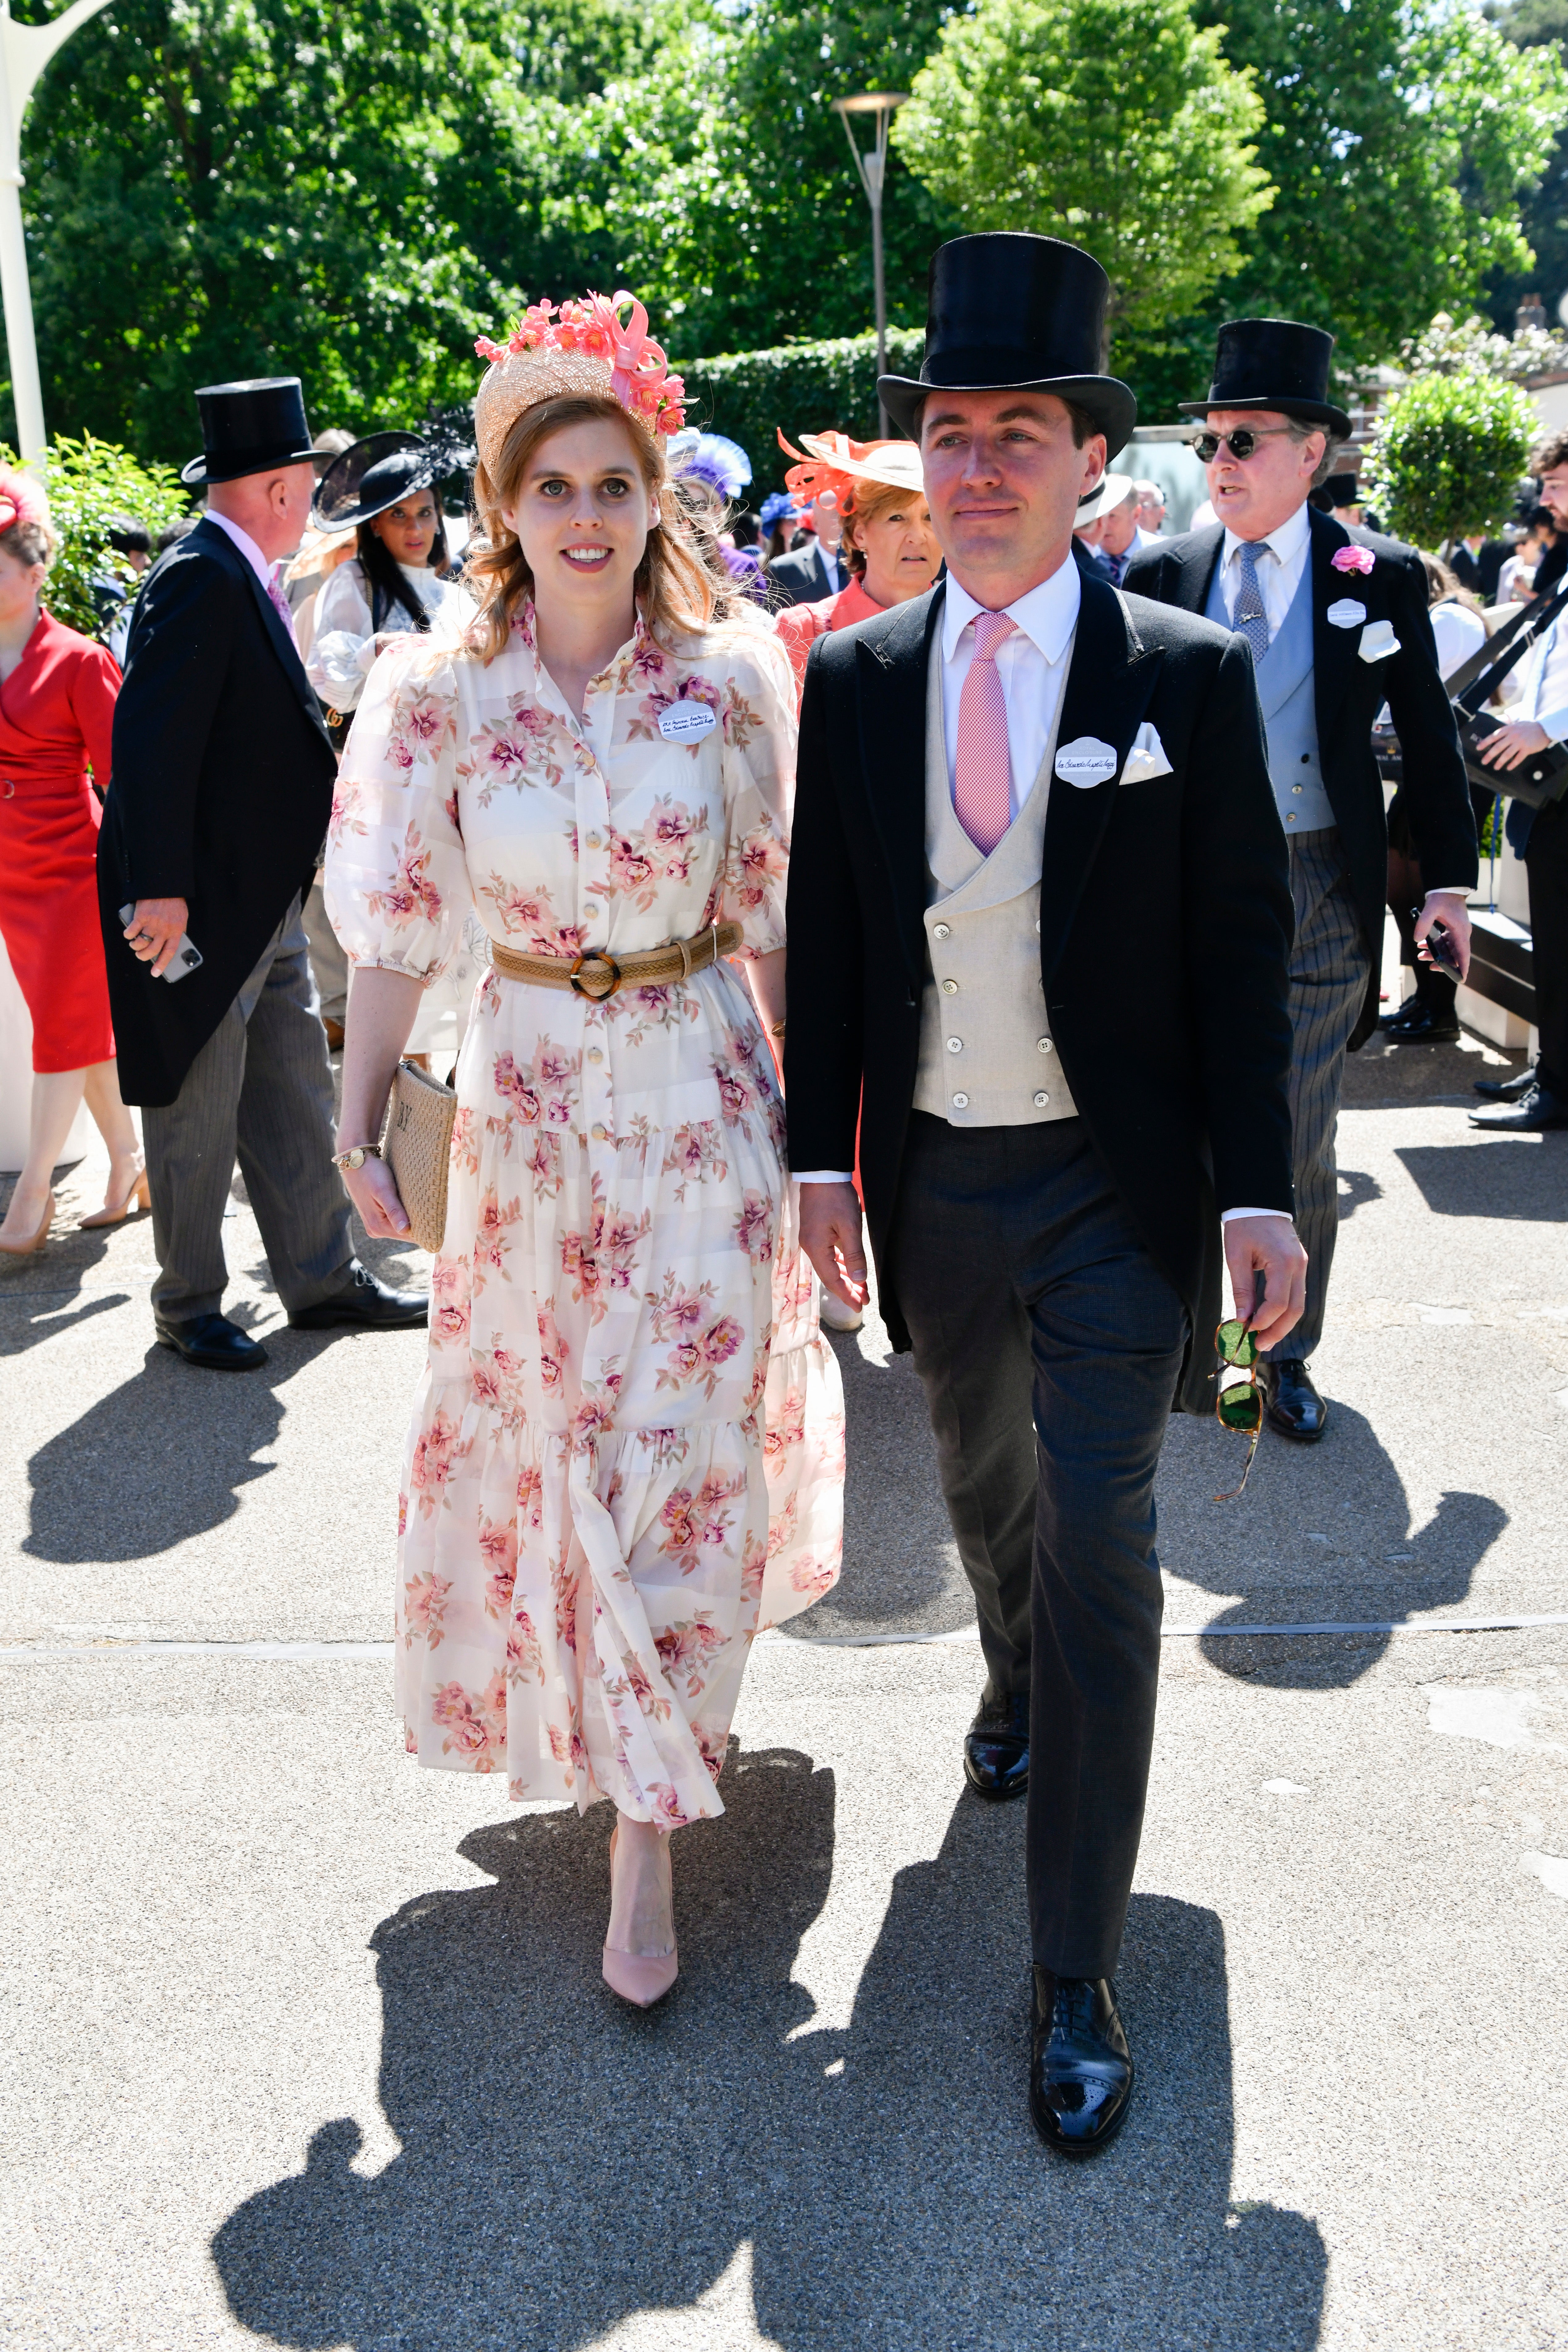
(222, 788)
(1336, 618)
(1020, 796)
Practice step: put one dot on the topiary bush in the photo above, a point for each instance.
(91, 483)
(804, 387)
(1447, 456)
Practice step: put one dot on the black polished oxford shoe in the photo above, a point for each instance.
(1532, 1114)
(212, 1341)
(1292, 1405)
(1512, 1089)
(996, 1749)
(1080, 2069)
(1419, 1025)
(365, 1304)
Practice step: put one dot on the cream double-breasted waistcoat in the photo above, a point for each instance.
(987, 1058)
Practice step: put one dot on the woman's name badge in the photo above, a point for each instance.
(1086, 760)
(684, 722)
(1346, 614)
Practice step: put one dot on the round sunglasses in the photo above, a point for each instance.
(1241, 443)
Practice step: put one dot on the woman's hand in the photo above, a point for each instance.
(373, 1193)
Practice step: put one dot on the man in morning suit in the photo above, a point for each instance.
(1041, 916)
(221, 792)
(814, 570)
(1336, 618)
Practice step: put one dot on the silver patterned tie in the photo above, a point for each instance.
(1250, 617)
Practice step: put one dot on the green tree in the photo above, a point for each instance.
(1116, 123)
(1543, 211)
(1448, 454)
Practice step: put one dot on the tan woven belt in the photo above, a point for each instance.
(596, 975)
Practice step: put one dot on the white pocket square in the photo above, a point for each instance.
(1377, 641)
(1147, 757)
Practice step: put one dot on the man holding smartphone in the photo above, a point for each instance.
(220, 795)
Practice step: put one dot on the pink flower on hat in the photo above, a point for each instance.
(1352, 559)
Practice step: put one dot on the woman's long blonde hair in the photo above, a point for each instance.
(671, 586)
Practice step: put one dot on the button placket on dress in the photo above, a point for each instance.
(595, 909)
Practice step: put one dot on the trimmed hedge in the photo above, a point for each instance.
(804, 387)
(1447, 455)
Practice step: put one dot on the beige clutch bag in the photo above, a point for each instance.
(418, 1149)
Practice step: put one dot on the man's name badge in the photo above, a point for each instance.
(1086, 760)
(684, 722)
(1346, 614)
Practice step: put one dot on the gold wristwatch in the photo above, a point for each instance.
(357, 1157)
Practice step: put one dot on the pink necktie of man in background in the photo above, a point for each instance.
(982, 790)
(281, 602)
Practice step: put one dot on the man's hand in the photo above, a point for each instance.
(830, 1236)
(1266, 1245)
(1517, 742)
(1449, 908)
(154, 931)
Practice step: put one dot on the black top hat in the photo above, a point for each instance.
(374, 474)
(1273, 363)
(1011, 313)
(249, 428)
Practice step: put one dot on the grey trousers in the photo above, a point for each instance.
(1049, 1345)
(261, 1090)
(328, 964)
(1329, 975)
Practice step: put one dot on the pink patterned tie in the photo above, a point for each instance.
(982, 794)
(281, 602)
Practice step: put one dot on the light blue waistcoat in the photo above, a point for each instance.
(1285, 680)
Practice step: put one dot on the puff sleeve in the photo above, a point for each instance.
(758, 766)
(396, 885)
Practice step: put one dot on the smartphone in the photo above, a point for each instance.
(1439, 945)
(186, 957)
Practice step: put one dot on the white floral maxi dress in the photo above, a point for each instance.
(627, 1448)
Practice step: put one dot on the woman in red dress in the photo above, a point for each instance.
(57, 706)
(887, 541)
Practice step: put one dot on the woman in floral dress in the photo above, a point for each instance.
(628, 1449)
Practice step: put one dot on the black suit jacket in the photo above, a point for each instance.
(1480, 572)
(800, 578)
(1164, 928)
(221, 792)
(1348, 693)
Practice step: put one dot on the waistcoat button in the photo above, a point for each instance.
(1044, 1046)
(949, 988)
(943, 932)
(960, 1102)
(1040, 1101)
(955, 1045)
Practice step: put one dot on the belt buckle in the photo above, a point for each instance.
(596, 956)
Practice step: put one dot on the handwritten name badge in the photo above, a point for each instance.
(1346, 614)
(1085, 761)
(684, 722)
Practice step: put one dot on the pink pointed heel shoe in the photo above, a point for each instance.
(638, 1978)
(34, 1241)
(115, 1213)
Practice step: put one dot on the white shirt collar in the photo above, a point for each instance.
(1046, 613)
(246, 546)
(1287, 541)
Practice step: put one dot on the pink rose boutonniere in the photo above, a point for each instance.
(1352, 559)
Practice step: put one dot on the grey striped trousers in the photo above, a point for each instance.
(260, 1090)
(1329, 974)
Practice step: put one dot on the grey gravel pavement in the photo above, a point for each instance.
(305, 2046)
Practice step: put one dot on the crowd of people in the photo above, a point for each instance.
(551, 790)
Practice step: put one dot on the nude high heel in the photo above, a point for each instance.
(637, 1976)
(34, 1241)
(115, 1212)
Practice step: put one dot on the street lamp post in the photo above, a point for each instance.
(872, 166)
(25, 51)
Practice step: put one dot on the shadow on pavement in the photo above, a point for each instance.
(1322, 1534)
(1506, 1176)
(1357, 1189)
(566, 2164)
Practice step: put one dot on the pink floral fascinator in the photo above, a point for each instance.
(22, 499)
(581, 347)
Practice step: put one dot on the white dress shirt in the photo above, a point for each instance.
(1282, 560)
(1543, 686)
(266, 573)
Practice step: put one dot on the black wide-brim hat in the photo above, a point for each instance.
(1012, 313)
(249, 428)
(372, 475)
(1273, 363)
